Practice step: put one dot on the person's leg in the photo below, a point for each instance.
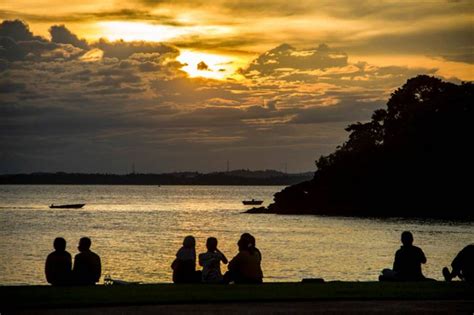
(228, 277)
(446, 274)
(388, 275)
(198, 276)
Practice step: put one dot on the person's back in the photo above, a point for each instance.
(184, 266)
(58, 264)
(211, 262)
(245, 267)
(408, 260)
(87, 265)
(463, 263)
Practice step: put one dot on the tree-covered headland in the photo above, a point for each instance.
(412, 159)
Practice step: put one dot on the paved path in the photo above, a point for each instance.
(316, 307)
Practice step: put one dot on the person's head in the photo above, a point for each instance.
(189, 242)
(244, 244)
(407, 238)
(84, 244)
(59, 244)
(248, 238)
(211, 244)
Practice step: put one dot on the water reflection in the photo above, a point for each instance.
(137, 230)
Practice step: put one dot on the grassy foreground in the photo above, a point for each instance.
(29, 297)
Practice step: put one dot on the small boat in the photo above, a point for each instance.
(252, 202)
(73, 206)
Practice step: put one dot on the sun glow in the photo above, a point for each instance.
(142, 31)
(208, 65)
(136, 31)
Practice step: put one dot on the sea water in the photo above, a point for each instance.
(137, 230)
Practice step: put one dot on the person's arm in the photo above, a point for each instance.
(174, 264)
(76, 263)
(396, 262)
(48, 270)
(201, 263)
(69, 262)
(224, 259)
(422, 257)
(234, 263)
(98, 269)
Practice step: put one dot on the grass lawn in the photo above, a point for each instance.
(29, 297)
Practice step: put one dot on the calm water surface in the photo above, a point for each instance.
(138, 229)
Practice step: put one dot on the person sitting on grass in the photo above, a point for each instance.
(211, 262)
(58, 264)
(184, 266)
(463, 265)
(87, 265)
(245, 266)
(407, 264)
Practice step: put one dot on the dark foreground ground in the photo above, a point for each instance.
(271, 298)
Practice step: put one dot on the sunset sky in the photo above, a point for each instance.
(96, 86)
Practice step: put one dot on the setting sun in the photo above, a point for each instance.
(208, 65)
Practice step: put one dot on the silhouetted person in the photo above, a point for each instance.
(407, 264)
(211, 262)
(463, 265)
(58, 264)
(245, 266)
(87, 266)
(408, 260)
(184, 266)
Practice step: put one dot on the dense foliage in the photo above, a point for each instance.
(412, 159)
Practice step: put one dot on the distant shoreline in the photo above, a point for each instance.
(237, 178)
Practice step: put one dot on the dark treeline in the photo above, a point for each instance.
(236, 177)
(413, 159)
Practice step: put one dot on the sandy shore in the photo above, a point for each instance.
(314, 307)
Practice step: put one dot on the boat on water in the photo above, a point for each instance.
(72, 206)
(252, 202)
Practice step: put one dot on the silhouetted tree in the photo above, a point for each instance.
(411, 159)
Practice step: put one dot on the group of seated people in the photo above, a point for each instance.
(409, 258)
(60, 271)
(245, 267)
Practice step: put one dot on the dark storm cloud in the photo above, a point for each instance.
(122, 50)
(18, 31)
(11, 87)
(345, 111)
(18, 43)
(454, 41)
(61, 35)
(202, 66)
(287, 57)
(10, 50)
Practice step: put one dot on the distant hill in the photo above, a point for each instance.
(413, 159)
(235, 177)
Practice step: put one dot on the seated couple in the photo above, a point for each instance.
(59, 269)
(245, 267)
